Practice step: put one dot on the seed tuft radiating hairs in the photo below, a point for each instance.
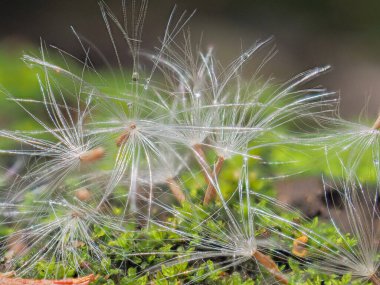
(229, 234)
(61, 147)
(55, 231)
(354, 249)
(352, 142)
(113, 154)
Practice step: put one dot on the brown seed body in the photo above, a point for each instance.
(122, 138)
(267, 262)
(92, 155)
(83, 194)
(125, 135)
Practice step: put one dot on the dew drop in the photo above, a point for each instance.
(245, 56)
(135, 76)
(147, 81)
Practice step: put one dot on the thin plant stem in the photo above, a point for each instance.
(375, 279)
(376, 125)
(211, 191)
(175, 188)
(201, 158)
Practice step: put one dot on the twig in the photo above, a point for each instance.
(8, 279)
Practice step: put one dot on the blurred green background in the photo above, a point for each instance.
(345, 34)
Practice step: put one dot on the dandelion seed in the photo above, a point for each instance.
(233, 239)
(144, 126)
(166, 172)
(215, 111)
(200, 105)
(355, 251)
(59, 231)
(69, 145)
(352, 142)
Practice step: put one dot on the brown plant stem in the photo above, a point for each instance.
(8, 274)
(201, 158)
(211, 191)
(175, 188)
(7, 279)
(267, 262)
(375, 279)
(376, 125)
